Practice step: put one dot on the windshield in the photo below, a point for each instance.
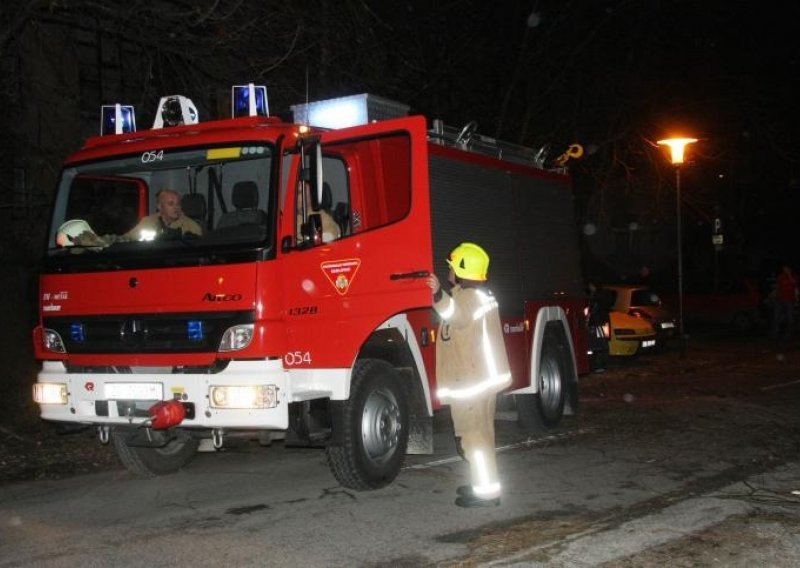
(645, 298)
(166, 200)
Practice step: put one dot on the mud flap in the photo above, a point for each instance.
(420, 435)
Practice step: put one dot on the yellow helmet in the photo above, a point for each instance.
(469, 261)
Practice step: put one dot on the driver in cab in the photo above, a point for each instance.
(168, 221)
(169, 217)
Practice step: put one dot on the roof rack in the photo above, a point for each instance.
(467, 139)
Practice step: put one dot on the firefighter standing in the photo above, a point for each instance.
(471, 367)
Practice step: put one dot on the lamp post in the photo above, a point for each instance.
(677, 147)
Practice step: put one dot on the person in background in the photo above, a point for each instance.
(598, 321)
(330, 228)
(471, 367)
(783, 304)
(168, 217)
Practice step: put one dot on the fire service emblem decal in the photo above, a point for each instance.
(340, 273)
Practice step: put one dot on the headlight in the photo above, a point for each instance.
(50, 393)
(52, 341)
(253, 396)
(236, 337)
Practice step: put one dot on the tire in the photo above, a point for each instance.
(374, 427)
(152, 462)
(543, 411)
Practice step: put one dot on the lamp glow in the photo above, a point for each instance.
(677, 147)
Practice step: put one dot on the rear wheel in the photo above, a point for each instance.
(374, 428)
(544, 410)
(152, 462)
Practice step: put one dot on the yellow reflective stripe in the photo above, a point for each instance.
(486, 486)
(474, 390)
(448, 312)
(488, 304)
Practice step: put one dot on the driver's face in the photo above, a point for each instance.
(169, 206)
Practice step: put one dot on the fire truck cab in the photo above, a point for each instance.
(287, 297)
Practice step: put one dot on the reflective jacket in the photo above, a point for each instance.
(155, 226)
(471, 357)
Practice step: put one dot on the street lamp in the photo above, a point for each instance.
(677, 147)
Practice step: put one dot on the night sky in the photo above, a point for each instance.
(614, 76)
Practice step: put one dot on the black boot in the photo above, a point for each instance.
(465, 491)
(473, 500)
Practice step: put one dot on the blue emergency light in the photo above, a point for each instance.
(117, 119)
(249, 100)
(194, 330)
(77, 332)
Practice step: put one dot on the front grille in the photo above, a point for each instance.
(146, 333)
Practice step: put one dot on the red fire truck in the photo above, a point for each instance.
(264, 324)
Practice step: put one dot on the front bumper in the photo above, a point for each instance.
(123, 398)
(629, 345)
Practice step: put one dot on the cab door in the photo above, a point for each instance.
(338, 292)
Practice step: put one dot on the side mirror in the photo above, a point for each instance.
(311, 167)
(314, 228)
(310, 234)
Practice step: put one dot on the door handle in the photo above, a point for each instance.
(405, 275)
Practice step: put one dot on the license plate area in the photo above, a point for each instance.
(134, 391)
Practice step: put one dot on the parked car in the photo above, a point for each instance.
(733, 303)
(643, 302)
(629, 335)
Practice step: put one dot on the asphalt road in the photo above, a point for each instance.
(672, 461)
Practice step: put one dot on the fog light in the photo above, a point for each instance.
(50, 393)
(252, 396)
(236, 337)
(52, 341)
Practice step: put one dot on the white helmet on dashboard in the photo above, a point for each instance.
(69, 230)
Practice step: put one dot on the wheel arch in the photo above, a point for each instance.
(550, 318)
(395, 342)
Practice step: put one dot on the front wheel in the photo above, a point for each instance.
(544, 410)
(369, 452)
(152, 462)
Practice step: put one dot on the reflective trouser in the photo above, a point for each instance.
(473, 422)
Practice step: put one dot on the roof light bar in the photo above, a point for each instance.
(175, 110)
(249, 100)
(343, 112)
(117, 119)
